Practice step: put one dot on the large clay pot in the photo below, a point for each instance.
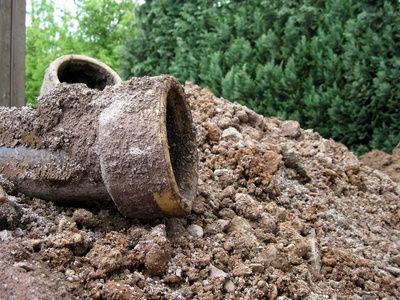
(133, 142)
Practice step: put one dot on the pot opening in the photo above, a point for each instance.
(79, 71)
(182, 145)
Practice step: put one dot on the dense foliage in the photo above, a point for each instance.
(96, 30)
(333, 65)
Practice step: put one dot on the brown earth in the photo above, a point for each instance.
(390, 164)
(280, 213)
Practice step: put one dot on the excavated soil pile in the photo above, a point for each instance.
(280, 213)
(390, 164)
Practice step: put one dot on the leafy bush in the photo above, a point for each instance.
(333, 65)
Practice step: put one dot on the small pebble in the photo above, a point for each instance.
(196, 230)
(5, 235)
(215, 272)
(232, 133)
(10, 214)
(229, 286)
(291, 129)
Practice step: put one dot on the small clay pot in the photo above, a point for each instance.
(75, 68)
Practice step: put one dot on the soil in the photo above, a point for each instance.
(281, 213)
(390, 164)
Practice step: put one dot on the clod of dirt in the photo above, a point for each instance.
(25, 276)
(3, 195)
(390, 164)
(292, 161)
(68, 236)
(86, 218)
(115, 290)
(10, 213)
(281, 213)
(156, 249)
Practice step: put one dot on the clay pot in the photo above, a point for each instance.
(133, 142)
(75, 68)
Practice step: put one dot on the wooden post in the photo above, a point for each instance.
(12, 52)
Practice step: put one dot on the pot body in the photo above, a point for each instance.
(133, 142)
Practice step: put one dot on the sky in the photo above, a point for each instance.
(61, 5)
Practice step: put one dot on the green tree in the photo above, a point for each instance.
(102, 26)
(96, 30)
(41, 45)
(331, 64)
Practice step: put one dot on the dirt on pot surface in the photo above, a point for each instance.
(281, 213)
(390, 164)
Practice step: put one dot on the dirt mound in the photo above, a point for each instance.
(390, 164)
(280, 213)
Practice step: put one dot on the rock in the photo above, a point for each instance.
(217, 226)
(172, 279)
(268, 223)
(156, 249)
(10, 213)
(246, 206)
(5, 235)
(229, 286)
(293, 161)
(223, 224)
(255, 119)
(224, 122)
(227, 213)
(105, 259)
(228, 192)
(85, 218)
(232, 133)
(66, 224)
(24, 265)
(241, 270)
(3, 195)
(73, 240)
(27, 278)
(69, 272)
(291, 129)
(225, 176)
(257, 268)
(196, 230)
(271, 256)
(252, 135)
(175, 227)
(242, 116)
(273, 292)
(215, 272)
(393, 270)
(115, 290)
(213, 131)
(396, 260)
(242, 226)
